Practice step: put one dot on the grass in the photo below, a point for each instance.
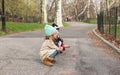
(118, 32)
(94, 21)
(112, 29)
(65, 24)
(91, 21)
(15, 27)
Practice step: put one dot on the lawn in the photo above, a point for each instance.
(91, 21)
(15, 27)
(118, 32)
(112, 31)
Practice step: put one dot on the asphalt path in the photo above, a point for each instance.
(19, 54)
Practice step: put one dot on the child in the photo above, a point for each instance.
(59, 41)
(49, 50)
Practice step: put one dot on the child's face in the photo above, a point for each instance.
(55, 35)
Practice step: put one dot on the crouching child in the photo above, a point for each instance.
(48, 49)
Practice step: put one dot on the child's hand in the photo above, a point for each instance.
(67, 46)
(62, 48)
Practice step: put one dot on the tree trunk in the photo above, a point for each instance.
(43, 12)
(88, 11)
(58, 10)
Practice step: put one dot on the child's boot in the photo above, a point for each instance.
(52, 60)
(47, 62)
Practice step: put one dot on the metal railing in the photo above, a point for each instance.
(109, 22)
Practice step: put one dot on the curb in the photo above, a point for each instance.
(106, 42)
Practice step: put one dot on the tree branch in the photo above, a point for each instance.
(87, 4)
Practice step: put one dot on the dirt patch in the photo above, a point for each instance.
(110, 38)
(100, 43)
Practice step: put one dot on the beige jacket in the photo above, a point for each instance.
(48, 47)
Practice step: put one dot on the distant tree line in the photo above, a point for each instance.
(32, 10)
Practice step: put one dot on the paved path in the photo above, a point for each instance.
(19, 54)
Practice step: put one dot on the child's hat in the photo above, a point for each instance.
(49, 30)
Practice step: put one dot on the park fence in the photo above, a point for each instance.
(109, 22)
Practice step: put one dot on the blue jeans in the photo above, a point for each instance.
(54, 54)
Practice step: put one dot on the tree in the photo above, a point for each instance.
(108, 4)
(84, 9)
(97, 6)
(88, 9)
(79, 9)
(58, 10)
(43, 12)
(25, 9)
(0, 5)
(3, 18)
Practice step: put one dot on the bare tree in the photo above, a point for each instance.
(82, 8)
(43, 12)
(107, 4)
(85, 8)
(97, 6)
(58, 10)
(52, 4)
(51, 10)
